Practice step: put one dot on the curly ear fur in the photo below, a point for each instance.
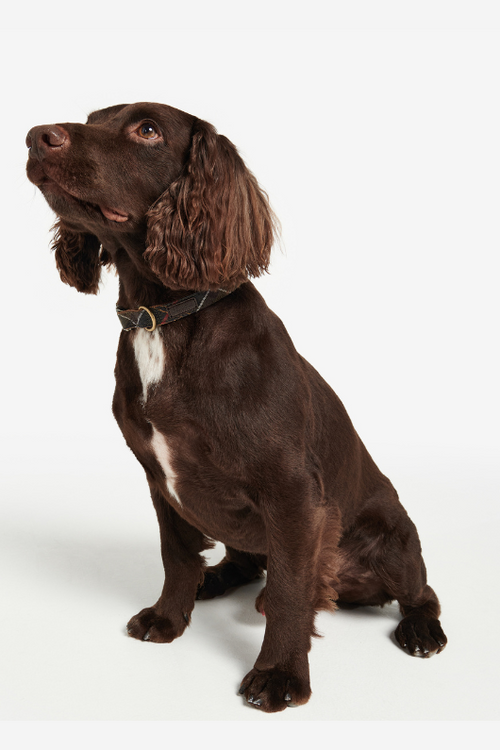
(79, 258)
(213, 227)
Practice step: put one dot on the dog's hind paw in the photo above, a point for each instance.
(222, 578)
(421, 636)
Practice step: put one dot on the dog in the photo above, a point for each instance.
(241, 440)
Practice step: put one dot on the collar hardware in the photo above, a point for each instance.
(153, 319)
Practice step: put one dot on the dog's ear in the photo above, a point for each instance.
(79, 258)
(213, 227)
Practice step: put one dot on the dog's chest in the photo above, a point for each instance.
(149, 353)
(181, 467)
(149, 350)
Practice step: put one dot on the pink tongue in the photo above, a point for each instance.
(113, 215)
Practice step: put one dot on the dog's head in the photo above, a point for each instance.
(152, 177)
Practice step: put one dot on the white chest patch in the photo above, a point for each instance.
(164, 458)
(150, 358)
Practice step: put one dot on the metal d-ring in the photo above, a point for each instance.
(153, 319)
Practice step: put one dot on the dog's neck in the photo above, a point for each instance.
(138, 284)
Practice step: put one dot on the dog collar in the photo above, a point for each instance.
(158, 315)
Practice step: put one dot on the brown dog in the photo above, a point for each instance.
(240, 438)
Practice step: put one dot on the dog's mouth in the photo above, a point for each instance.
(113, 215)
(53, 189)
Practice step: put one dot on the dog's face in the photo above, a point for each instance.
(103, 176)
(160, 184)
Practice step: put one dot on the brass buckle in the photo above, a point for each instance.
(153, 319)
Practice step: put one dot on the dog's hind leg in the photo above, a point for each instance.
(382, 561)
(234, 570)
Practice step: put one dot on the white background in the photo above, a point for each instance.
(380, 151)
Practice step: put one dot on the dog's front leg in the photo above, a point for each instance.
(181, 545)
(280, 677)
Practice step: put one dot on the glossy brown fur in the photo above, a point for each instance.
(262, 453)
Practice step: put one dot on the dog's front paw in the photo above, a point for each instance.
(274, 689)
(421, 636)
(148, 625)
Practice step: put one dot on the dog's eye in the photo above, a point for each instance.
(148, 131)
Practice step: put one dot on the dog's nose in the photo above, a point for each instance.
(46, 138)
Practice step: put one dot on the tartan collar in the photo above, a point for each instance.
(159, 315)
